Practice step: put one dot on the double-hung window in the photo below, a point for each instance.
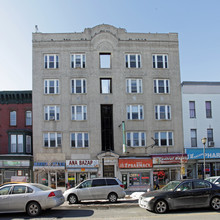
(133, 61)
(78, 60)
(105, 86)
(78, 86)
(51, 86)
(161, 86)
(52, 139)
(160, 61)
(105, 60)
(193, 137)
(164, 138)
(51, 113)
(13, 118)
(192, 109)
(28, 118)
(163, 112)
(209, 136)
(79, 139)
(134, 85)
(79, 112)
(208, 109)
(17, 145)
(51, 61)
(136, 139)
(135, 112)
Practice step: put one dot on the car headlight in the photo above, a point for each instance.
(147, 199)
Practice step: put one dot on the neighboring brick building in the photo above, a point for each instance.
(16, 160)
(94, 89)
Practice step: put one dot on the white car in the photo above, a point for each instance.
(29, 197)
(96, 189)
(214, 179)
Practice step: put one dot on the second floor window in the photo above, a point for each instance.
(79, 112)
(192, 109)
(208, 107)
(135, 112)
(28, 118)
(51, 61)
(136, 139)
(160, 61)
(51, 86)
(161, 86)
(78, 86)
(133, 61)
(209, 136)
(16, 143)
(51, 113)
(52, 139)
(105, 86)
(164, 138)
(79, 140)
(163, 112)
(134, 85)
(78, 61)
(193, 138)
(13, 118)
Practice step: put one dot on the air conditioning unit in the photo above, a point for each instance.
(211, 144)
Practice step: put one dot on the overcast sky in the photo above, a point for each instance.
(196, 21)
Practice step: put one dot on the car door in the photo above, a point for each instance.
(99, 189)
(4, 198)
(84, 190)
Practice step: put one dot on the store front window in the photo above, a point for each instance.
(71, 180)
(139, 179)
(61, 179)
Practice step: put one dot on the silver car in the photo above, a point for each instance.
(29, 197)
(96, 189)
(214, 179)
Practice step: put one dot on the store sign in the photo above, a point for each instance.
(82, 163)
(210, 153)
(135, 163)
(51, 164)
(169, 159)
(16, 163)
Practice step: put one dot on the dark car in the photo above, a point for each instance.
(182, 194)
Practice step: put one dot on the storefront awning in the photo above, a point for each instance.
(78, 170)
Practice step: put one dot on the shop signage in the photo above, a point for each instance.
(16, 163)
(135, 163)
(82, 163)
(210, 153)
(52, 164)
(169, 159)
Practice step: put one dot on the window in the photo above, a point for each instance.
(161, 86)
(184, 186)
(19, 190)
(208, 109)
(98, 182)
(105, 86)
(111, 182)
(160, 61)
(13, 118)
(78, 86)
(134, 85)
(51, 113)
(105, 60)
(52, 139)
(209, 135)
(51, 86)
(51, 61)
(163, 112)
(136, 139)
(28, 116)
(201, 185)
(86, 184)
(5, 190)
(164, 138)
(79, 140)
(16, 143)
(192, 109)
(193, 138)
(135, 112)
(78, 112)
(78, 60)
(28, 144)
(133, 61)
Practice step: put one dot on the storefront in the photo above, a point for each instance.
(136, 173)
(80, 170)
(196, 162)
(168, 167)
(50, 174)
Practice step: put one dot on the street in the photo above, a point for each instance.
(122, 210)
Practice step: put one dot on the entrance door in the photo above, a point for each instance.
(107, 127)
(53, 180)
(109, 171)
(81, 177)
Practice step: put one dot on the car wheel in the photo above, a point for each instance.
(73, 199)
(33, 209)
(112, 197)
(160, 207)
(215, 203)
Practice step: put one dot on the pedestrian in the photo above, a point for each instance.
(157, 184)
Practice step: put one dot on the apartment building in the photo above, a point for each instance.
(106, 103)
(201, 103)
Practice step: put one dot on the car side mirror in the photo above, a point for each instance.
(217, 183)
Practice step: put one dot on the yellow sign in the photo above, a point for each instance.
(71, 178)
(83, 169)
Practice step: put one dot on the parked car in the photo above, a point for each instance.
(29, 197)
(182, 194)
(95, 189)
(214, 179)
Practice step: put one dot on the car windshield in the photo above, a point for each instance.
(212, 180)
(170, 186)
(42, 187)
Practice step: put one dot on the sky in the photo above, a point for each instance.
(197, 23)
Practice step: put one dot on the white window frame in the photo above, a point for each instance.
(18, 145)
(82, 86)
(130, 112)
(74, 64)
(105, 85)
(48, 110)
(155, 61)
(167, 112)
(13, 118)
(82, 113)
(128, 60)
(47, 61)
(57, 136)
(55, 87)
(140, 133)
(28, 118)
(159, 133)
(166, 83)
(105, 60)
(139, 85)
(76, 139)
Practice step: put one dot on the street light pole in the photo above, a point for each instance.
(204, 142)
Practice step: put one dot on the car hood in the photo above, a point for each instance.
(155, 193)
